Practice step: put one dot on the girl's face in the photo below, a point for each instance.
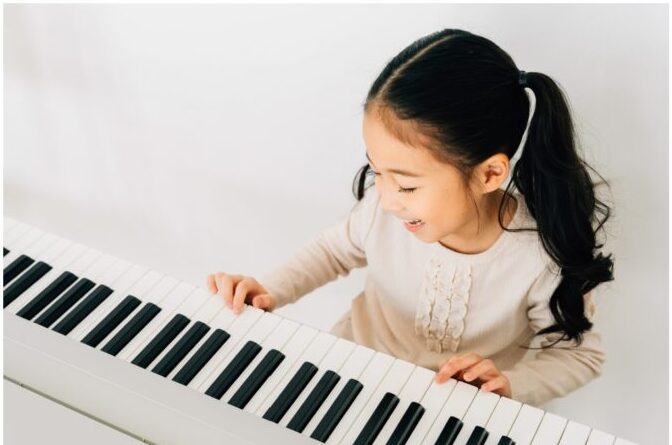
(413, 185)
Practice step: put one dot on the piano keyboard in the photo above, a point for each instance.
(167, 362)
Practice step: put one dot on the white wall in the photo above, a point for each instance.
(193, 139)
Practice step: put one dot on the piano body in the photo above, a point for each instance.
(165, 362)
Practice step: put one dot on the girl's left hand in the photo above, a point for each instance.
(476, 370)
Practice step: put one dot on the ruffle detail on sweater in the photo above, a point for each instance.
(442, 305)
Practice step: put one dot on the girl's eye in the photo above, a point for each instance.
(401, 189)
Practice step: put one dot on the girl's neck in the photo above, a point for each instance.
(490, 229)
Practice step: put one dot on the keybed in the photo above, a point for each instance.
(273, 373)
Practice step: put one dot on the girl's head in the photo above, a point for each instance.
(415, 184)
(449, 108)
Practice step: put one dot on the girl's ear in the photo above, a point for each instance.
(493, 172)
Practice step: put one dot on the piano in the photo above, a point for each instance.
(166, 362)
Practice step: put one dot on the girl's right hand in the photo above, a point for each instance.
(240, 289)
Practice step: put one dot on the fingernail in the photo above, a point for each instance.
(467, 377)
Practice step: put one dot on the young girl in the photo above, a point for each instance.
(462, 274)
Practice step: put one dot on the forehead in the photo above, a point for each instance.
(396, 144)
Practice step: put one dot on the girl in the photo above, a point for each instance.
(462, 274)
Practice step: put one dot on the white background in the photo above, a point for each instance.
(195, 139)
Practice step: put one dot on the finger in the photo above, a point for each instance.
(263, 301)
(225, 285)
(211, 283)
(480, 370)
(455, 364)
(497, 383)
(239, 296)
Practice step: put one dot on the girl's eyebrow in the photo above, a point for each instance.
(398, 172)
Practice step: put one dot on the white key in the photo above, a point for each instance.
(370, 379)
(313, 354)
(135, 276)
(477, 415)
(550, 430)
(154, 295)
(237, 330)
(101, 264)
(434, 399)
(351, 369)
(60, 255)
(276, 340)
(110, 276)
(574, 433)
(413, 391)
(188, 308)
(9, 222)
(526, 424)
(332, 361)
(13, 234)
(394, 380)
(598, 437)
(168, 304)
(456, 406)
(293, 350)
(215, 318)
(266, 323)
(620, 441)
(81, 261)
(502, 419)
(33, 243)
(210, 308)
(208, 314)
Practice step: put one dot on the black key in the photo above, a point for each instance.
(16, 267)
(197, 361)
(181, 349)
(505, 440)
(291, 392)
(161, 341)
(49, 294)
(377, 420)
(313, 402)
(4, 251)
(65, 302)
(449, 432)
(257, 378)
(14, 290)
(407, 424)
(337, 410)
(233, 370)
(111, 321)
(131, 329)
(83, 309)
(478, 436)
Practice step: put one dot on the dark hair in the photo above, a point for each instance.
(457, 94)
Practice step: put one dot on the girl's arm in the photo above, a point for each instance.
(556, 371)
(333, 253)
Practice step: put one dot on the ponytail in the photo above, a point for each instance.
(560, 195)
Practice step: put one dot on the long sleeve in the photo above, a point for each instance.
(333, 253)
(555, 371)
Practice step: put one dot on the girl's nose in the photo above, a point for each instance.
(389, 202)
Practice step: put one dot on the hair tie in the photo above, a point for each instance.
(522, 79)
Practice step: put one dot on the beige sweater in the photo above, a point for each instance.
(424, 303)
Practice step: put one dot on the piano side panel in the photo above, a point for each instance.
(57, 423)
